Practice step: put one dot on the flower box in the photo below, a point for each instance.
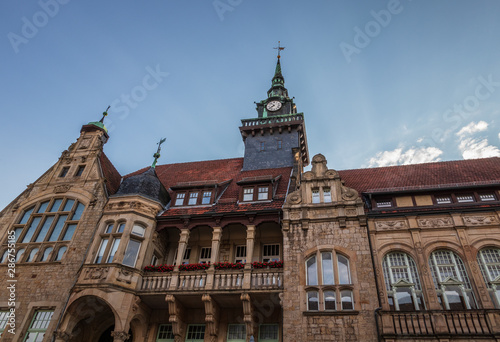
(193, 267)
(269, 264)
(228, 266)
(160, 268)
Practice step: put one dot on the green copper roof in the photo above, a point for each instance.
(277, 72)
(99, 124)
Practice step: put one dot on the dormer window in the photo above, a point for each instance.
(263, 193)
(248, 194)
(193, 198)
(179, 200)
(196, 197)
(207, 196)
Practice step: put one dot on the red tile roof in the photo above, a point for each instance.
(438, 175)
(112, 176)
(220, 171)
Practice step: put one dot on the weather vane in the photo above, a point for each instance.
(279, 48)
(157, 154)
(104, 114)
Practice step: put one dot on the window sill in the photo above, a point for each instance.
(331, 313)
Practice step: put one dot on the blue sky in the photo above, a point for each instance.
(380, 82)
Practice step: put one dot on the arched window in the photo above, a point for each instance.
(328, 282)
(46, 223)
(451, 281)
(489, 263)
(402, 282)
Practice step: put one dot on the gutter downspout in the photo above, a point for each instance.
(376, 283)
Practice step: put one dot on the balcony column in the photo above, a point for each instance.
(247, 277)
(214, 257)
(216, 237)
(181, 249)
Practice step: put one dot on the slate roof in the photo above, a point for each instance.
(225, 172)
(112, 176)
(428, 176)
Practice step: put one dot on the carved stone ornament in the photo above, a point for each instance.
(97, 273)
(480, 220)
(62, 188)
(351, 212)
(62, 335)
(349, 194)
(295, 215)
(386, 225)
(435, 222)
(120, 335)
(84, 144)
(294, 198)
(124, 276)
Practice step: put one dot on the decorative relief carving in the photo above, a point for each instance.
(351, 212)
(68, 160)
(62, 188)
(62, 335)
(124, 276)
(120, 335)
(294, 198)
(97, 273)
(85, 143)
(386, 225)
(349, 194)
(480, 220)
(296, 215)
(435, 222)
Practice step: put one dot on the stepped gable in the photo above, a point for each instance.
(226, 173)
(112, 176)
(440, 175)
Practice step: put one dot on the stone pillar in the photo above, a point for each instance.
(183, 240)
(250, 245)
(181, 249)
(247, 272)
(216, 236)
(120, 336)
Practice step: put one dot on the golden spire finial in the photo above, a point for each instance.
(279, 48)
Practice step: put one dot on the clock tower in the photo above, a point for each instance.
(277, 137)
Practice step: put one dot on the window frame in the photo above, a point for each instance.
(168, 339)
(50, 222)
(394, 265)
(486, 266)
(113, 235)
(183, 198)
(269, 257)
(315, 281)
(261, 339)
(255, 193)
(236, 339)
(38, 331)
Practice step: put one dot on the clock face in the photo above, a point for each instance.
(273, 106)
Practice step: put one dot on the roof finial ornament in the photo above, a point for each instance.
(279, 48)
(157, 154)
(104, 114)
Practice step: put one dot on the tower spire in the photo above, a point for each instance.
(157, 154)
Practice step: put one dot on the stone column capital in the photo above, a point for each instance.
(120, 336)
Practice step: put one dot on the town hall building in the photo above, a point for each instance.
(252, 248)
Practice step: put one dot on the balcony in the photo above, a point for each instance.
(469, 323)
(215, 280)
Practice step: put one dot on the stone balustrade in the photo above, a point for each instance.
(472, 323)
(258, 279)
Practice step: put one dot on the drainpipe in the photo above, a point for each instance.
(375, 314)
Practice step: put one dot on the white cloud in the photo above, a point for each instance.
(473, 128)
(475, 148)
(411, 156)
